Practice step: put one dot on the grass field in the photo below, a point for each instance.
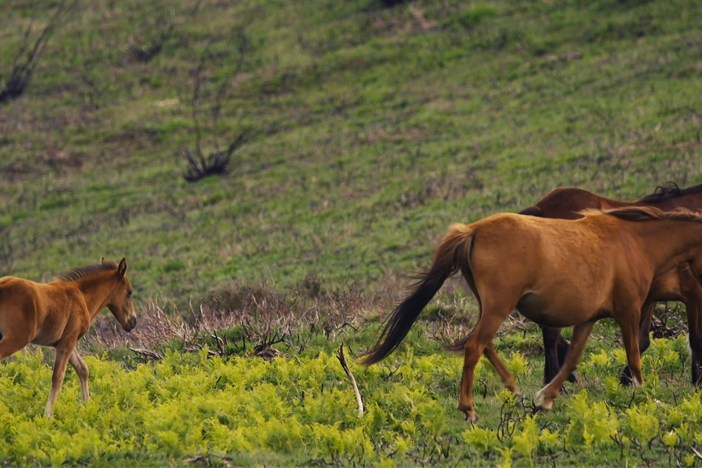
(370, 130)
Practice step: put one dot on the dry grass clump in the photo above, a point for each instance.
(265, 316)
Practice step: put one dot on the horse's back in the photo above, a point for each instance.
(546, 256)
(565, 203)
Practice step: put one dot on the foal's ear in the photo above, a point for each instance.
(122, 268)
(102, 260)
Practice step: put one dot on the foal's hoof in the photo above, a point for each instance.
(470, 414)
(573, 377)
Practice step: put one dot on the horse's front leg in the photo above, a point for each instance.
(63, 354)
(81, 369)
(629, 323)
(644, 339)
(692, 294)
(546, 395)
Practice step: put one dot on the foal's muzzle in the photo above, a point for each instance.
(131, 323)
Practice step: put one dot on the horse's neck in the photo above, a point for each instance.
(96, 293)
(669, 242)
(689, 202)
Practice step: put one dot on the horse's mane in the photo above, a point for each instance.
(88, 270)
(669, 190)
(649, 213)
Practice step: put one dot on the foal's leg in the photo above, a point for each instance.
(490, 320)
(81, 369)
(644, 338)
(546, 395)
(505, 375)
(63, 354)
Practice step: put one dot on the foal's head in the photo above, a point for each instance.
(120, 300)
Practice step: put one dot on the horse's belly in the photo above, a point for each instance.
(555, 314)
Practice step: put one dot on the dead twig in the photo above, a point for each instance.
(147, 354)
(344, 365)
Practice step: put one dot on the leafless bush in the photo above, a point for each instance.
(217, 163)
(154, 36)
(27, 58)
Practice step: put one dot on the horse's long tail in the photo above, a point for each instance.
(451, 255)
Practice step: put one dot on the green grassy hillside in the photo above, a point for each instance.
(373, 129)
(369, 131)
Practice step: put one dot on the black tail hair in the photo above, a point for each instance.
(451, 255)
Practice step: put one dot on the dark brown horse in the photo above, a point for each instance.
(59, 313)
(680, 284)
(557, 273)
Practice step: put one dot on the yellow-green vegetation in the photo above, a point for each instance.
(301, 410)
(369, 130)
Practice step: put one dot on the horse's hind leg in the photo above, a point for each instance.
(491, 318)
(505, 375)
(81, 369)
(549, 393)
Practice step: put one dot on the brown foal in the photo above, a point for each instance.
(557, 273)
(59, 313)
(679, 284)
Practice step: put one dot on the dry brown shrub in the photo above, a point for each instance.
(262, 311)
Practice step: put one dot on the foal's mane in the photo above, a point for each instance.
(88, 270)
(670, 190)
(649, 213)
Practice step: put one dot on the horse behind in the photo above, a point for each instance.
(557, 273)
(59, 313)
(679, 284)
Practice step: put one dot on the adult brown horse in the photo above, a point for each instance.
(59, 313)
(557, 273)
(680, 284)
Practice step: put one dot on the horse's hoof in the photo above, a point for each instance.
(540, 408)
(573, 377)
(539, 396)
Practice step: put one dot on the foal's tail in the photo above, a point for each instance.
(452, 254)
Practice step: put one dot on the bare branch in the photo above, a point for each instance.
(216, 163)
(25, 63)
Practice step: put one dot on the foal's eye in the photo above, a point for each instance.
(129, 293)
